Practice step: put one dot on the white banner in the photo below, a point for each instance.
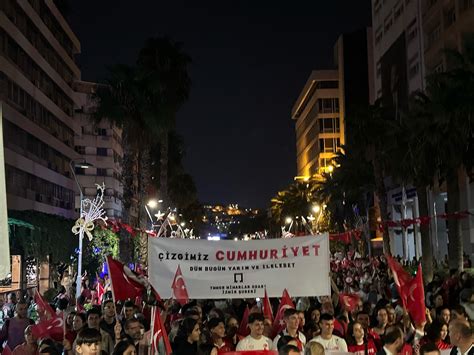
(5, 265)
(241, 269)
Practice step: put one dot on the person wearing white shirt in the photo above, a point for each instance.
(256, 340)
(329, 341)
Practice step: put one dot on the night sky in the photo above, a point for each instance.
(250, 62)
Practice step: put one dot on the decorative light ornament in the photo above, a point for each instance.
(92, 210)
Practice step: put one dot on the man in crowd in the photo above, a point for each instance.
(93, 322)
(291, 318)
(327, 339)
(13, 329)
(135, 330)
(128, 312)
(9, 307)
(256, 340)
(393, 341)
(460, 334)
(108, 320)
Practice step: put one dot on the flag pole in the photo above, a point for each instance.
(112, 288)
(152, 329)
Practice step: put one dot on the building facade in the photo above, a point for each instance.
(327, 99)
(409, 40)
(101, 146)
(319, 125)
(37, 73)
(397, 49)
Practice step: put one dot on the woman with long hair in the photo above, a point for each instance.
(187, 337)
(437, 333)
(357, 341)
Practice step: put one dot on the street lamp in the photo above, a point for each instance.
(316, 208)
(83, 164)
(152, 204)
(288, 220)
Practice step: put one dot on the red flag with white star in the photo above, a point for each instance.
(349, 301)
(267, 307)
(285, 303)
(180, 291)
(159, 332)
(415, 297)
(125, 284)
(243, 328)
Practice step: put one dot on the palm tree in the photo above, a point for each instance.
(373, 138)
(416, 162)
(347, 191)
(164, 62)
(451, 105)
(296, 202)
(123, 101)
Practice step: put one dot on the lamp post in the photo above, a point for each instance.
(79, 163)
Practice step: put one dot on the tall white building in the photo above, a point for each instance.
(101, 146)
(37, 72)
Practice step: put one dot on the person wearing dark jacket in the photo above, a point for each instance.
(393, 341)
(461, 337)
(187, 338)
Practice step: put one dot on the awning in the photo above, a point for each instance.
(20, 223)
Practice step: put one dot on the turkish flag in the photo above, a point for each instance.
(349, 301)
(53, 327)
(415, 297)
(100, 292)
(179, 288)
(243, 328)
(124, 284)
(6, 350)
(158, 332)
(267, 307)
(45, 311)
(401, 278)
(285, 303)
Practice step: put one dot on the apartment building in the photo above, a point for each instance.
(327, 98)
(100, 145)
(319, 134)
(398, 50)
(37, 72)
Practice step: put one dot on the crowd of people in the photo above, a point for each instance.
(377, 324)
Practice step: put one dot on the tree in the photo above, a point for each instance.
(348, 191)
(416, 162)
(373, 139)
(296, 202)
(450, 105)
(166, 65)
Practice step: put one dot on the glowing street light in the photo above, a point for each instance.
(288, 220)
(153, 203)
(316, 208)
